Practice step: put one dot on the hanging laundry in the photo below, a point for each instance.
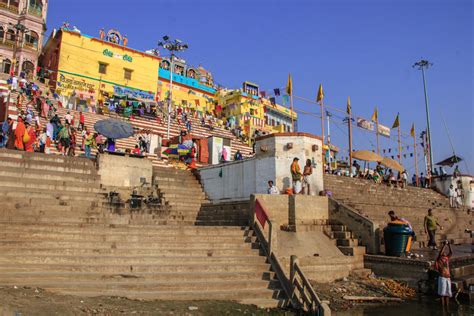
(277, 91)
(272, 100)
(263, 94)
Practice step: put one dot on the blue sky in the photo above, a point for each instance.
(362, 49)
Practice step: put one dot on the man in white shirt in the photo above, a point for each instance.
(452, 196)
(272, 189)
(68, 117)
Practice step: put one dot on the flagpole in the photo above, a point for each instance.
(414, 152)
(291, 106)
(399, 144)
(349, 122)
(322, 120)
(377, 133)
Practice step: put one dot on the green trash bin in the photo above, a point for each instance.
(396, 235)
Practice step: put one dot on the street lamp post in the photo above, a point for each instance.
(421, 65)
(173, 46)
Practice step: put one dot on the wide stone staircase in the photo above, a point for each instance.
(374, 201)
(140, 123)
(57, 233)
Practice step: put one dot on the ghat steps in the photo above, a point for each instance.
(57, 233)
(374, 201)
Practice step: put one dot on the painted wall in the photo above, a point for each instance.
(441, 184)
(78, 68)
(187, 93)
(237, 180)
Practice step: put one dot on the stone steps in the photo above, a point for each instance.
(22, 173)
(49, 185)
(133, 277)
(33, 193)
(213, 250)
(141, 229)
(110, 237)
(183, 267)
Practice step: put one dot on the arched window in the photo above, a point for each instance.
(191, 73)
(6, 66)
(165, 65)
(31, 39)
(28, 67)
(36, 7)
(10, 35)
(2, 33)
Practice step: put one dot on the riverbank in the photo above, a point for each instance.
(37, 302)
(342, 294)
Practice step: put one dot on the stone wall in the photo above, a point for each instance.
(366, 231)
(293, 210)
(124, 171)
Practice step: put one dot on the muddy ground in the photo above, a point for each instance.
(24, 301)
(334, 292)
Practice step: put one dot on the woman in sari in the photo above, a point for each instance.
(19, 133)
(44, 108)
(29, 145)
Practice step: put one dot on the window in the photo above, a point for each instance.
(102, 68)
(31, 39)
(127, 74)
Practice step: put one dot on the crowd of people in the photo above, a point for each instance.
(379, 174)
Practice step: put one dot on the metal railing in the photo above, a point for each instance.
(297, 288)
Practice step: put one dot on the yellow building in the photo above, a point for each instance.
(85, 70)
(192, 87)
(252, 112)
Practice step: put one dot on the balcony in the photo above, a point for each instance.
(36, 11)
(11, 8)
(32, 46)
(7, 42)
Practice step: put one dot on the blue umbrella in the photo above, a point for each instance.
(113, 128)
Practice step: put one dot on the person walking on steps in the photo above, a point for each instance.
(430, 224)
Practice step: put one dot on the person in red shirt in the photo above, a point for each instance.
(81, 120)
(136, 150)
(444, 279)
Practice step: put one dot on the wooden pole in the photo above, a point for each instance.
(322, 119)
(291, 106)
(416, 157)
(377, 134)
(349, 123)
(399, 145)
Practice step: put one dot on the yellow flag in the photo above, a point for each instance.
(320, 94)
(412, 131)
(397, 122)
(375, 116)
(289, 85)
(348, 105)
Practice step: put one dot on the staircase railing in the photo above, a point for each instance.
(298, 289)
